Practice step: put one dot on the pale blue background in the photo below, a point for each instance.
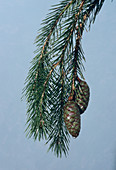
(95, 148)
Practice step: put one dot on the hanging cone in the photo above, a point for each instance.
(82, 95)
(72, 118)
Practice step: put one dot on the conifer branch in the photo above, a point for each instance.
(65, 46)
(55, 68)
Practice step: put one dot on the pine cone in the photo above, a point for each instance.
(72, 118)
(82, 95)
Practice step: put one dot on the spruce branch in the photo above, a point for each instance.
(52, 77)
(63, 51)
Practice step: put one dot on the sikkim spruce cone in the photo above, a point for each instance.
(82, 95)
(72, 118)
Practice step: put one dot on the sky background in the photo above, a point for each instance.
(95, 148)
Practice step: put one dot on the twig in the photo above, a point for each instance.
(48, 38)
(54, 66)
(62, 55)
